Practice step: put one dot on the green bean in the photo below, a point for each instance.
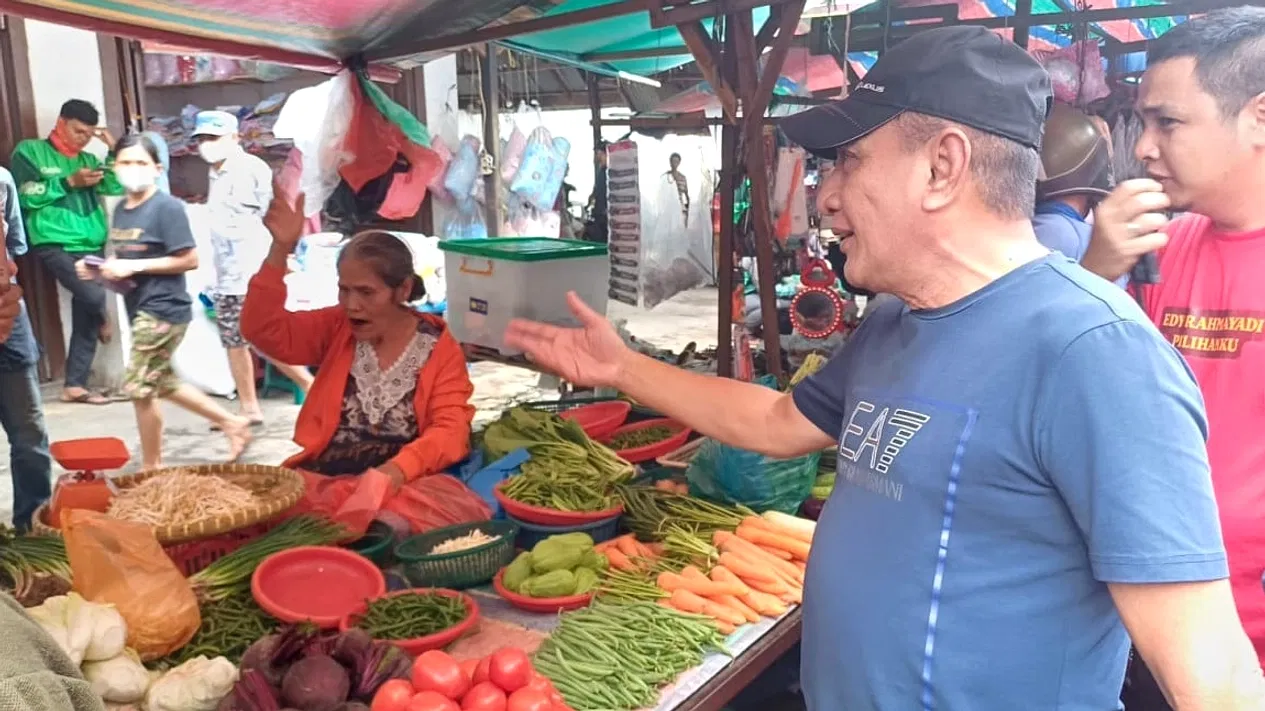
(411, 615)
(641, 438)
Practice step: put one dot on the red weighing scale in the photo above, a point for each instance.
(85, 484)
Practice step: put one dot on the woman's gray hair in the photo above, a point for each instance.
(388, 256)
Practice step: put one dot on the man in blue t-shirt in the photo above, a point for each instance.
(1021, 459)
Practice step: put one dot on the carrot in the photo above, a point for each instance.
(628, 546)
(735, 603)
(752, 552)
(776, 552)
(764, 603)
(776, 588)
(698, 584)
(690, 602)
(618, 560)
(759, 536)
(745, 569)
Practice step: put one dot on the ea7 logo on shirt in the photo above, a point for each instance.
(871, 442)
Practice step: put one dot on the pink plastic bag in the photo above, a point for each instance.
(1076, 73)
(424, 504)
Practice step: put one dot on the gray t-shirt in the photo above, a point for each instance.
(158, 227)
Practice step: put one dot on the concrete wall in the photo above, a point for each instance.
(440, 76)
(65, 64)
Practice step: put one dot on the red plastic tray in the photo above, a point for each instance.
(317, 584)
(547, 605)
(637, 455)
(438, 640)
(550, 517)
(94, 454)
(599, 419)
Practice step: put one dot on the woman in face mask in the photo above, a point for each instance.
(150, 248)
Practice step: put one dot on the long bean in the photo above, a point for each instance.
(411, 616)
(230, 625)
(618, 656)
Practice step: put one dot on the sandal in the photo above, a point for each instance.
(86, 398)
(255, 423)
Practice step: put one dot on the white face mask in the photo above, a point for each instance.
(217, 150)
(136, 178)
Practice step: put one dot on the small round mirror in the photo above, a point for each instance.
(816, 313)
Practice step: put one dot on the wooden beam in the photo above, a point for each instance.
(694, 12)
(492, 140)
(514, 29)
(777, 57)
(730, 175)
(701, 46)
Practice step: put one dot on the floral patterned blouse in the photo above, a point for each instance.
(378, 416)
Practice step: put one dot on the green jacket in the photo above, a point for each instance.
(35, 674)
(57, 214)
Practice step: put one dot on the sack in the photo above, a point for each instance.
(424, 504)
(122, 564)
(723, 473)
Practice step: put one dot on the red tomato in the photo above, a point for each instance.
(510, 669)
(529, 700)
(541, 683)
(432, 701)
(481, 671)
(468, 666)
(556, 699)
(484, 696)
(393, 696)
(436, 671)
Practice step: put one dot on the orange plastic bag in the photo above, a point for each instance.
(121, 563)
(425, 503)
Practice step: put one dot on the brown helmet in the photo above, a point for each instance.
(1075, 156)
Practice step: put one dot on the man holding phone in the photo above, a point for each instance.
(60, 187)
(1202, 103)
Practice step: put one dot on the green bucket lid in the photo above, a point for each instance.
(524, 249)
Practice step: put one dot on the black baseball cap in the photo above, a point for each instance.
(967, 75)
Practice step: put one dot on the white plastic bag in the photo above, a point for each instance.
(318, 119)
(197, 685)
(83, 630)
(121, 680)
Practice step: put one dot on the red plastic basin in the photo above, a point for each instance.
(599, 419)
(547, 605)
(550, 517)
(636, 455)
(438, 640)
(319, 584)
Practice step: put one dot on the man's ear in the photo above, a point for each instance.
(1254, 113)
(949, 155)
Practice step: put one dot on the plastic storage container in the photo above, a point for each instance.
(491, 281)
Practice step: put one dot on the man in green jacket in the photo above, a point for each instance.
(60, 187)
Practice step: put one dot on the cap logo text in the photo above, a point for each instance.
(867, 86)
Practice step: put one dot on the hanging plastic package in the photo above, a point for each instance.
(122, 564)
(536, 173)
(1076, 73)
(317, 119)
(436, 185)
(676, 244)
(512, 158)
(463, 171)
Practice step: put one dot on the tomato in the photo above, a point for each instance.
(432, 701)
(510, 669)
(436, 671)
(556, 699)
(541, 683)
(529, 700)
(484, 696)
(393, 696)
(468, 666)
(481, 671)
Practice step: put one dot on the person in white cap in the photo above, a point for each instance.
(239, 193)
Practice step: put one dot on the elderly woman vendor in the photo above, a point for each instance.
(392, 392)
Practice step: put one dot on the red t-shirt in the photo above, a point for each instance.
(1210, 304)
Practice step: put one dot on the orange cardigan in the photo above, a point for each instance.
(323, 337)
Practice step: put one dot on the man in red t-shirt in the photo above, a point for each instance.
(1202, 101)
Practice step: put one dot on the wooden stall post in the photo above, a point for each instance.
(492, 139)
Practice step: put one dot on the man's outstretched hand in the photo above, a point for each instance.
(592, 355)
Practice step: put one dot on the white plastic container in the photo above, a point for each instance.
(491, 281)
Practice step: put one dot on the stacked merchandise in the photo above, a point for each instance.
(256, 128)
(625, 222)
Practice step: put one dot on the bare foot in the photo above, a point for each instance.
(237, 430)
(84, 396)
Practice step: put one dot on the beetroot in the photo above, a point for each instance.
(315, 683)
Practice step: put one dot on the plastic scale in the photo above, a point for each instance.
(85, 485)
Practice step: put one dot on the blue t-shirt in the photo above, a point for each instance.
(1000, 460)
(1061, 228)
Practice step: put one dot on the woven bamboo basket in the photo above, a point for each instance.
(681, 457)
(276, 490)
